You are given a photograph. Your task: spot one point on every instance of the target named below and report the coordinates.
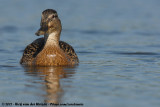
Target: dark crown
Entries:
(49, 11)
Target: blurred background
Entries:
(117, 42)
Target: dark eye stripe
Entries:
(54, 16)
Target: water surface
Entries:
(117, 43)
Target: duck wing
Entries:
(31, 51)
(69, 51)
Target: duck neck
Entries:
(52, 39)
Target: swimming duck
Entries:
(49, 50)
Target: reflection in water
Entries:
(51, 77)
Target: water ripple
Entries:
(135, 53)
(86, 52)
(148, 33)
(9, 28)
(7, 66)
(93, 31)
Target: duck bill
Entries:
(41, 31)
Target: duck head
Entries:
(49, 23)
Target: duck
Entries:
(49, 50)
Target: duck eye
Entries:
(54, 16)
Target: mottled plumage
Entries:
(36, 46)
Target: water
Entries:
(117, 43)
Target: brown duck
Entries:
(49, 51)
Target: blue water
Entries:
(117, 43)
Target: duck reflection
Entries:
(51, 77)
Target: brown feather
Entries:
(65, 54)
